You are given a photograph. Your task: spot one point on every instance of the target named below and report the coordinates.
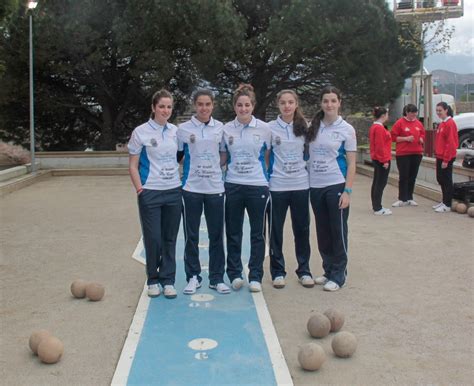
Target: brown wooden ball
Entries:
(35, 338)
(95, 291)
(344, 344)
(470, 211)
(336, 318)
(78, 288)
(461, 208)
(311, 356)
(318, 325)
(454, 204)
(50, 350)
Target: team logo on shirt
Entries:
(278, 141)
(417, 128)
(153, 142)
(231, 140)
(192, 138)
(335, 136)
(256, 138)
(407, 129)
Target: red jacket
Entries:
(380, 143)
(446, 141)
(404, 128)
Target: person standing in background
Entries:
(381, 154)
(447, 143)
(409, 134)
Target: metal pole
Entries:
(32, 112)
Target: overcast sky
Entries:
(460, 56)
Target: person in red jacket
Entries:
(409, 134)
(381, 154)
(445, 151)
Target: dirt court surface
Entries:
(409, 296)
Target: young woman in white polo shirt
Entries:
(200, 139)
(332, 167)
(247, 141)
(289, 187)
(154, 172)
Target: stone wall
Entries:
(361, 126)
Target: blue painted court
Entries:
(202, 339)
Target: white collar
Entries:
(447, 118)
(335, 123)
(252, 123)
(283, 124)
(197, 122)
(156, 125)
(378, 123)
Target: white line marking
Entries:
(280, 368)
(136, 253)
(124, 364)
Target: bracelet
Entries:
(348, 190)
(139, 190)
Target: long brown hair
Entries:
(316, 122)
(300, 126)
(156, 98)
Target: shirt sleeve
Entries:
(395, 131)
(350, 143)
(135, 145)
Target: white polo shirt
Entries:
(327, 154)
(246, 146)
(157, 146)
(287, 169)
(201, 144)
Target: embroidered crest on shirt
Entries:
(278, 141)
(231, 140)
(153, 142)
(192, 138)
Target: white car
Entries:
(465, 124)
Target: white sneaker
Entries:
(255, 286)
(437, 205)
(398, 204)
(383, 212)
(442, 209)
(321, 280)
(306, 281)
(193, 285)
(279, 282)
(170, 291)
(412, 203)
(154, 290)
(237, 283)
(221, 288)
(331, 286)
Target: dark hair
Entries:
(409, 108)
(156, 98)
(445, 106)
(244, 89)
(300, 126)
(379, 111)
(201, 92)
(316, 122)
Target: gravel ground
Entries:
(408, 299)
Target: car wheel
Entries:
(466, 140)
